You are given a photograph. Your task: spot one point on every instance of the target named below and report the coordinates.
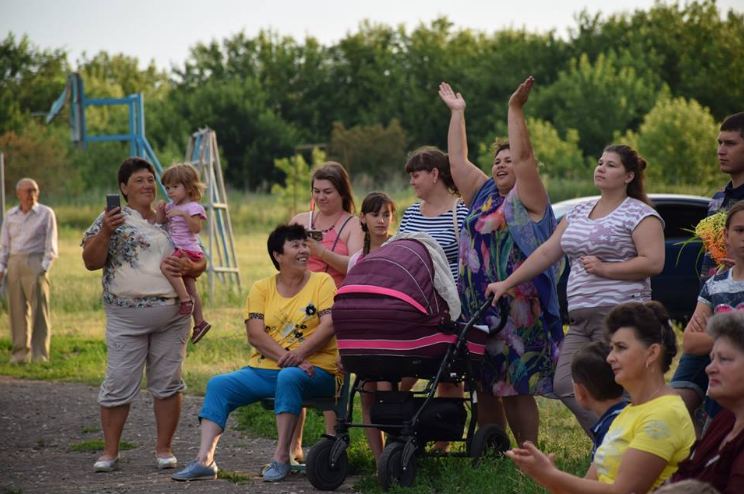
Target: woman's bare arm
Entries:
(468, 177)
(529, 186)
(95, 248)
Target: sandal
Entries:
(199, 331)
(186, 308)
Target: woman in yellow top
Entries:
(288, 321)
(650, 436)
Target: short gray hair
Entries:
(728, 325)
(26, 179)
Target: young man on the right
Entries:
(690, 380)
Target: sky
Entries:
(164, 30)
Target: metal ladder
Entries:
(203, 154)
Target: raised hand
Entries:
(519, 98)
(454, 101)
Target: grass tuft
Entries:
(235, 478)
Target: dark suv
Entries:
(677, 286)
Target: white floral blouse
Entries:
(132, 276)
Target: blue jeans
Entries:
(288, 386)
(690, 374)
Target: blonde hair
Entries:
(187, 175)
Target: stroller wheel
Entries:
(489, 440)
(320, 472)
(391, 470)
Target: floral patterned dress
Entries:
(521, 359)
(132, 277)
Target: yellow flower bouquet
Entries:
(710, 232)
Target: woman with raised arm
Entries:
(614, 245)
(509, 216)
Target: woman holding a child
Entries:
(144, 329)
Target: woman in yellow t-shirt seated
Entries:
(650, 436)
(288, 320)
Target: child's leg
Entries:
(191, 289)
(177, 283)
(374, 436)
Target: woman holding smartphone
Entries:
(334, 233)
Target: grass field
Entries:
(79, 354)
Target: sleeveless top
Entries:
(333, 242)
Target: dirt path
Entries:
(39, 421)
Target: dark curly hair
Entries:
(651, 324)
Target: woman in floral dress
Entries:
(509, 216)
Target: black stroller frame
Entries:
(327, 462)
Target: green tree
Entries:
(39, 152)
(30, 80)
(678, 140)
(296, 189)
(375, 151)
(692, 46)
(597, 99)
(561, 158)
(249, 133)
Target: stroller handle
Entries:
(503, 314)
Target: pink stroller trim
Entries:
(427, 341)
(378, 290)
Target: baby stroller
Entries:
(390, 323)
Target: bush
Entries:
(678, 139)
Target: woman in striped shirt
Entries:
(614, 245)
(439, 213)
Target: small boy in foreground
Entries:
(595, 387)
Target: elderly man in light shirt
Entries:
(28, 245)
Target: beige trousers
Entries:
(28, 301)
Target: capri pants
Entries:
(288, 386)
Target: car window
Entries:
(680, 218)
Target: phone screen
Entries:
(316, 235)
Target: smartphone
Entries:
(316, 235)
(112, 201)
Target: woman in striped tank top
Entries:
(614, 245)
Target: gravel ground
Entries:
(40, 420)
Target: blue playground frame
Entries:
(138, 146)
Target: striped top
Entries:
(440, 228)
(610, 240)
